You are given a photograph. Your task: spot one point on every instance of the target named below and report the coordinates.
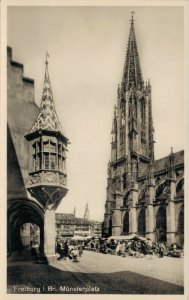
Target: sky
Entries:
(87, 47)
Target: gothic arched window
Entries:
(180, 186)
(135, 107)
(47, 154)
(161, 224)
(142, 222)
(181, 221)
(143, 112)
(126, 200)
(130, 108)
(126, 223)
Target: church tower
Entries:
(132, 145)
(86, 214)
(132, 132)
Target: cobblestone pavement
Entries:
(101, 274)
(114, 274)
(169, 269)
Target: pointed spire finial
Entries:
(47, 118)
(46, 61)
(132, 18)
(86, 214)
(132, 74)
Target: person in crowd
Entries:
(59, 250)
(66, 249)
(174, 247)
(143, 248)
(73, 253)
(117, 251)
(92, 245)
(149, 248)
(80, 247)
(161, 250)
(97, 247)
(122, 249)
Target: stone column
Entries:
(116, 218)
(171, 226)
(150, 222)
(132, 220)
(133, 212)
(116, 222)
(49, 234)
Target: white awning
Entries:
(77, 238)
(122, 237)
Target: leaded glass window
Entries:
(53, 162)
(40, 161)
(46, 161)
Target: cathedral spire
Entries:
(74, 211)
(132, 75)
(47, 118)
(86, 214)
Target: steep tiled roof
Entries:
(81, 221)
(47, 118)
(64, 216)
(159, 164)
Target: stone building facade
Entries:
(144, 196)
(36, 159)
(68, 225)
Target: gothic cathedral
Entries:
(144, 196)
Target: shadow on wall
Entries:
(15, 182)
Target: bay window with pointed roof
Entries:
(47, 152)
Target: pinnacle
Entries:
(132, 71)
(47, 118)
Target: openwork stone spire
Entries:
(132, 75)
(47, 118)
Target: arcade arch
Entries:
(180, 229)
(126, 223)
(161, 224)
(20, 212)
(142, 222)
(180, 186)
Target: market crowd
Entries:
(69, 249)
(135, 247)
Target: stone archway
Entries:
(142, 222)
(30, 233)
(161, 224)
(126, 223)
(180, 185)
(21, 211)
